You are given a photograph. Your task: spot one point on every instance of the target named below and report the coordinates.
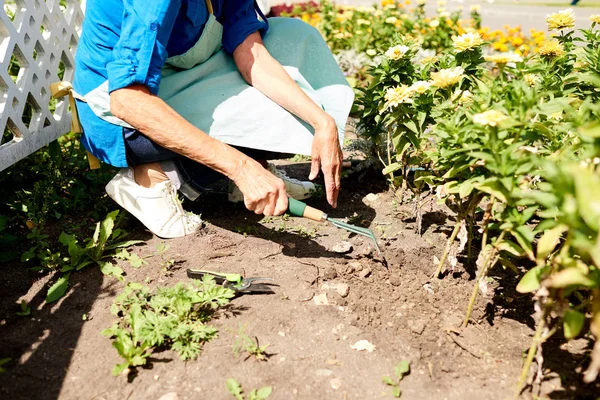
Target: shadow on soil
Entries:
(41, 345)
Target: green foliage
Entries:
(101, 249)
(401, 370)
(173, 318)
(4, 361)
(235, 388)
(245, 343)
(25, 309)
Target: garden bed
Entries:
(402, 311)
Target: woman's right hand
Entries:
(264, 193)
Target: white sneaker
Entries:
(295, 188)
(158, 208)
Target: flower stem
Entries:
(447, 249)
(537, 341)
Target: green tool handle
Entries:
(300, 209)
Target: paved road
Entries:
(496, 15)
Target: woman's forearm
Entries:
(155, 119)
(265, 73)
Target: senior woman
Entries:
(182, 93)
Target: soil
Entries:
(407, 315)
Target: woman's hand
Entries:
(264, 193)
(327, 156)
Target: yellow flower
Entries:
(396, 52)
(420, 87)
(363, 22)
(442, 3)
(475, 7)
(557, 116)
(421, 2)
(434, 23)
(595, 18)
(504, 58)
(429, 60)
(551, 48)
(531, 79)
(398, 95)
(465, 97)
(490, 117)
(468, 41)
(561, 20)
(391, 20)
(371, 52)
(447, 77)
(387, 2)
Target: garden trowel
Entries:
(300, 209)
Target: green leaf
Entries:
(234, 388)
(396, 392)
(388, 380)
(264, 392)
(587, 186)
(465, 189)
(548, 241)
(124, 244)
(110, 269)
(119, 368)
(402, 369)
(58, 290)
(570, 277)
(591, 130)
(510, 247)
(573, 322)
(4, 361)
(493, 187)
(530, 282)
(393, 167)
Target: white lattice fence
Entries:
(38, 40)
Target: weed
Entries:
(25, 309)
(249, 345)
(166, 263)
(236, 391)
(402, 369)
(173, 318)
(99, 250)
(4, 361)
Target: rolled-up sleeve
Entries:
(141, 52)
(240, 19)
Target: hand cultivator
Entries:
(300, 209)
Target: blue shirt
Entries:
(128, 42)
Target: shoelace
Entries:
(191, 220)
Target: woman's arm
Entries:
(265, 73)
(264, 193)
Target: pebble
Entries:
(321, 299)
(336, 383)
(362, 345)
(371, 197)
(330, 273)
(340, 288)
(324, 372)
(396, 280)
(342, 247)
(170, 396)
(365, 272)
(417, 326)
(353, 266)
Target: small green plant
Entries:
(100, 250)
(245, 343)
(237, 391)
(173, 318)
(4, 361)
(402, 369)
(165, 262)
(25, 309)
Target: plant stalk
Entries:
(537, 341)
(482, 275)
(448, 246)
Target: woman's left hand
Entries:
(327, 156)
